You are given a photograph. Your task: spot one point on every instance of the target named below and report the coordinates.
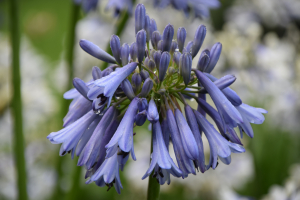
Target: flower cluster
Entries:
(199, 8)
(148, 84)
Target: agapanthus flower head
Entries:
(147, 83)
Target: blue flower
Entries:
(219, 146)
(228, 112)
(161, 162)
(105, 87)
(108, 174)
(124, 134)
(70, 135)
(92, 150)
(250, 115)
(102, 135)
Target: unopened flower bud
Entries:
(141, 43)
(140, 15)
(115, 46)
(147, 87)
(176, 57)
(203, 60)
(143, 104)
(167, 37)
(96, 51)
(153, 27)
(181, 35)
(141, 118)
(127, 89)
(96, 73)
(151, 65)
(136, 80)
(147, 27)
(198, 39)
(133, 51)
(185, 66)
(152, 114)
(144, 74)
(159, 45)
(215, 53)
(173, 47)
(155, 38)
(164, 64)
(124, 54)
(81, 87)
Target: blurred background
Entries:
(261, 46)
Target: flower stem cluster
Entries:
(149, 84)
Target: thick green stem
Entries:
(74, 16)
(17, 114)
(153, 185)
(75, 12)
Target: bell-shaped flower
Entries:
(192, 122)
(228, 112)
(184, 163)
(229, 93)
(90, 153)
(87, 135)
(160, 159)
(187, 137)
(79, 107)
(227, 131)
(222, 83)
(152, 113)
(96, 51)
(107, 85)
(108, 174)
(181, 35)
(124, 134)
(109, 132)
(250, 115)
(70, 135)
(219, 146)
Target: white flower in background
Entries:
(290, 190)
